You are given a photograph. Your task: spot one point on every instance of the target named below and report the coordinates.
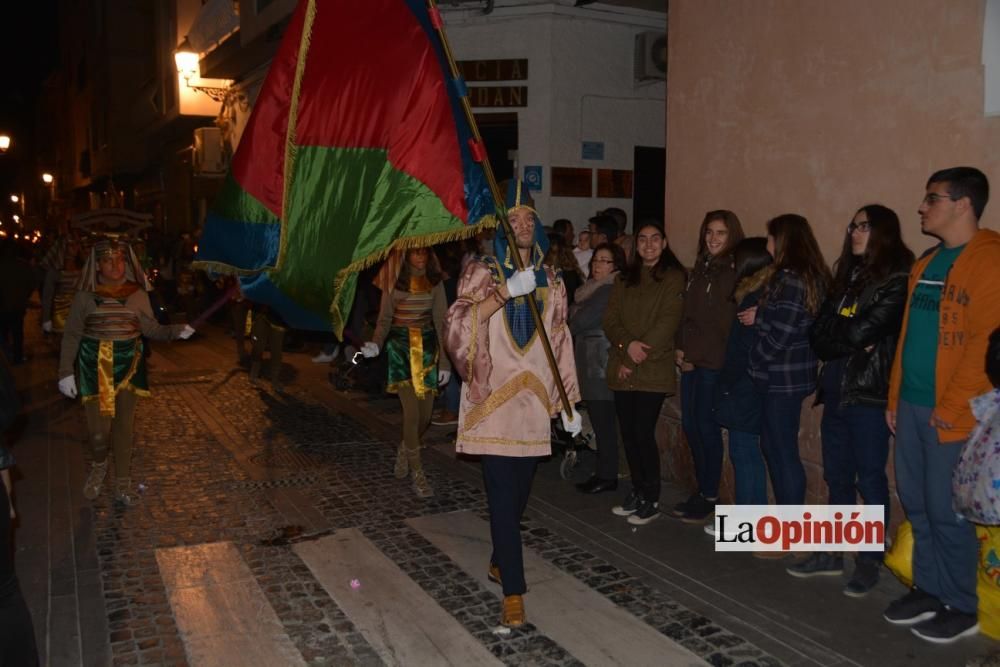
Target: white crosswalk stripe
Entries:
(223, 616)
(578, 618)
(402, 623)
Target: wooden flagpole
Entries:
(498, 198)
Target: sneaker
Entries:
(913, 607)
(947, 626)
(680, 509)
(699, 510)
(819, 564)
(628, 506)
(95, 480)
(645, 513)
(444, 418)
(710, 529)
(324, 358)
(863, 580)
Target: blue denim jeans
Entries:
(855, 453)
(703, 433)
(749, 471)
(945, 548)
(779, 440)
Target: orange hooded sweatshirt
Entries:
(969, 312)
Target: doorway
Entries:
(499, 132)
(649, 183)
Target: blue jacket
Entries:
(737, 402)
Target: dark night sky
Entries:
(29, 51)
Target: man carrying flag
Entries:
(510, 392)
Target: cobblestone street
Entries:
(266, 485)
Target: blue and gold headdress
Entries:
(106, 247)
(516, 311)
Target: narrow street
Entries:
(271, 531)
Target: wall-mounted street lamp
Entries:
(47, 178)
(15, 198)
(17, 218)
(4, 143)
(188, 66)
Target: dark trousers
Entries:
(12, 335)
(453, 393)
(238, 311)
(270, 336)
(855, 453)
(17, 636)
(945, 548)
(637, 415)
(702, 431)
(508, 484)
(749, 472)
(779, 440)
(602, 418)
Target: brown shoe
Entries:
(493, 574)
(513, 612)
(444, 418)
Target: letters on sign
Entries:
(498, 96)
(494, 70)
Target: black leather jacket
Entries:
(876, 322)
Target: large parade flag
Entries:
(357, 144)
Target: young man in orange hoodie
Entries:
(952, 307)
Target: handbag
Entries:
(976, 477)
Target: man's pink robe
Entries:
(509, 394)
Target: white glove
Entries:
(47, 326)
(521, 283)
(443, 377)
(572, 424)
(68, 386)
(369, 350)
(186, 332)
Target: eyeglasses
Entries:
(863, 227)
(602, 261)
(933, 197)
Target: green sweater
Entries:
(649, 312)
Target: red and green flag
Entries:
(357, 144)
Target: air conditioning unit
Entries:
(209, 156)
(651, 56)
